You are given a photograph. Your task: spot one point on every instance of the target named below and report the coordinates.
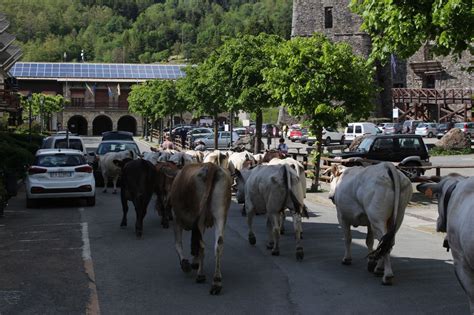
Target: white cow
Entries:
(198, 156)
(375, 196)
(456, 217)
(237, 160)
(109, 169)
(217, 157)
(181, 159)
(271, 189)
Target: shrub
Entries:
(438, 151)
(14, 158)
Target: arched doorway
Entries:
(101, 124)
(127, 123)
(77, 124)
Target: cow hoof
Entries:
(165, 225)
(200, 279)
(387, 280)
(195, 266)
(139, 235)
(379, 272)
(123, 225)
(252, 239)
(275, 252)
(185, 265)
(270, 245)
(215, 289)
(114, 192)
(104, 191)
(347, 261)
(371, 265)
(299, 254)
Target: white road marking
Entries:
(93, 305)
(57, 224)
(41, 240)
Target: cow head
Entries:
(121, 163)
(442, 191)
(336, 171)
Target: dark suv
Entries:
(408, 150)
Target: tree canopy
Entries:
(138, 31)
(402, 27)
(323, 82)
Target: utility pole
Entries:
(30, 97)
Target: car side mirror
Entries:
(91, 154)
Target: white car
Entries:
(59, 173)
(330, 135)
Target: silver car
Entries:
(223, 140)
(427, 130)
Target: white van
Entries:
(60, 141)
(357, 129)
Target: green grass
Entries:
(435, 151)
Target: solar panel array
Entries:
(96, 71)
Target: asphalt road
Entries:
(63, 258)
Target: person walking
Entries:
(284, 131)
(167, 144)
(269, 139)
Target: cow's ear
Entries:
(428, 189)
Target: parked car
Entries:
(117, 135)
(177, 130)
(407, 150)
(197, 133)
(427, 130)
(223, 140)
(466, 127)
(409, 126)
(443, 129)
(63, 141)
(298, 134)
(390, 128)
(241, 131)
(330, 135)
(59, 173)
(354, 130)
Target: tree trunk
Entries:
(216, 129)
(319, 149)
(258, 132)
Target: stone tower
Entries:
(334, 19)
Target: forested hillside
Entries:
(138, 30)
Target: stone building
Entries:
(9, 54)
(403, 83)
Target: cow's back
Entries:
(138, 177)
(189, 188)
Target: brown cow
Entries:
(166, 172)
(200, 198)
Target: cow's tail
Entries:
(208, 172)
(299, 208)
(388, 240)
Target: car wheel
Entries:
(412, 173)
(327, 141)
(90, 201)
(30, 203)
(430, 135)
(292, 140)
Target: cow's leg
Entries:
(275, 218)
(178, 243)
(347, 260)
(465, 276)
(106, 181)
(218, 249)
(388, 273)
(298, 230)
(140, 208)
(124, 200)
(199, 259)
(270, 242)
(244, 211)
(369, 241)
(114, 181)
(282, 221)
(250, 215)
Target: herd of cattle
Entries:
(194, 189)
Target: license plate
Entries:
(61, 174)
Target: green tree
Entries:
(237, 73)
(322, 81)
(42, 106)
(402, 27)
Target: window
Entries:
(328, 17)
(429, 82)
(358, 129)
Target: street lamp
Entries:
(29, 98)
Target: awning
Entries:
(426, 67)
